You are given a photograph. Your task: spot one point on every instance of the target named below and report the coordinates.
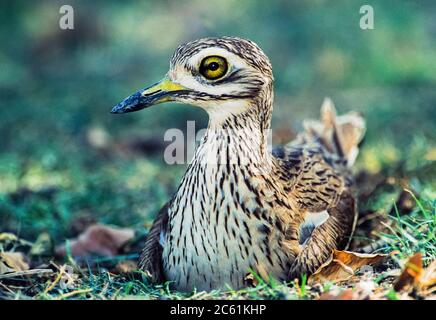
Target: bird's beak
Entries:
(163, 91)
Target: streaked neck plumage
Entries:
(242, 124)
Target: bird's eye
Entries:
(213, 67)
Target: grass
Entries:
(415, 232)
(404, 233)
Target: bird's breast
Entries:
(218, 232)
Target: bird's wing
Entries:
(325, 197)
(334, 233)
(309, 177)
(316, 166)
(151, 256)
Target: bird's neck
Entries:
(238, 140)
(242, 126)
(233, 149)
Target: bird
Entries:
(242, 207)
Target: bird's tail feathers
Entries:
(340, 135)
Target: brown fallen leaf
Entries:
(411, 274)
(428, 277)
(127, 266)
(415, 276)
(342, 265)
(250, 280)
(10, 238)
(12, 261)
(347, 294)
(99, 240)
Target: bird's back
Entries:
(316, 170)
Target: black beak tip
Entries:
(130, 104)
(116, 110)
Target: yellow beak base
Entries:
(162, 91)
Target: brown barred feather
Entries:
(335, 233)
(150, 259)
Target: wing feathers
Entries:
(151, 256)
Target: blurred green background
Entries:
(65, 160)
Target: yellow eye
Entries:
(213, 67)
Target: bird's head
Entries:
(222, 75)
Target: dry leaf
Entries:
(415, 276)
(365, 289)
(127, 266)
(12, 261)
(68, 277)
(26, 273)
(341, 295)
(5, 236)
(428, 277)
(411, 273)
(98, 240)
(343, 264)
(250, 280)
(41, 244)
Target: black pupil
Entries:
(213, 66)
